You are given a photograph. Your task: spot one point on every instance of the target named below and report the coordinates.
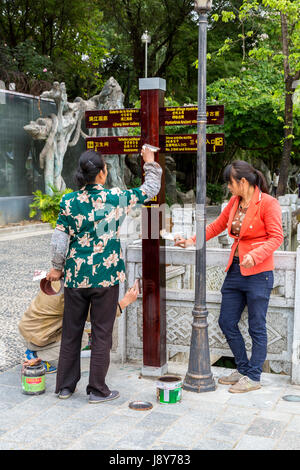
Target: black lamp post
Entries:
(199, 377)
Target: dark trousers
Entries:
(237, 292)
(103, 301)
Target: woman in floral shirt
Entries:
(86, 246)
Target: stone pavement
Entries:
(215, 420)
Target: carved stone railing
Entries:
(283, 319)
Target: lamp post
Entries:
(146, 39)
(199, 377)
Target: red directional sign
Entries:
(187, 115)
(168, 143)
(113, 118)
(188, 143)
(172, 116)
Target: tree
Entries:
(274, 38)
(54, 39)
(172, 25)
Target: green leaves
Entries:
(46, 205)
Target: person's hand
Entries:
(54, 275)
(148, 155)
(248, 261)
(182, 242)
(130, 297)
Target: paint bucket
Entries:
(169, 389)
(33, 379)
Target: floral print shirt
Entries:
(92, 218)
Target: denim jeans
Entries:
(254, 292)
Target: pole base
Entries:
(199, 385)
(149, 371)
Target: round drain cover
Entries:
(291, 397)
(140, 405)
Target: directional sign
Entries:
(168, 143)
(113, 118)
(114, 145)
(188, 143)
(187, 115)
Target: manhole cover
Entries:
(291, 398)
(140, 405)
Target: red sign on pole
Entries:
(113, 118)
(168, 143)
(187, 115)
(188, 143)
(114, 145)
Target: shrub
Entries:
(47, 205)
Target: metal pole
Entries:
(199, 377)
(146, 59)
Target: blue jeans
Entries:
(237, 292)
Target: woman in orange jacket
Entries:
(253, 220)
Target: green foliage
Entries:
(214, 192)
(136, 182)
(47, 205)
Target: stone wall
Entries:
(283, 322)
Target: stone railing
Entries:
(283, 320)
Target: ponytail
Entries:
(261, 181)
(240, 169)
(89, 165)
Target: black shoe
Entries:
(65, 393)
(96, 399)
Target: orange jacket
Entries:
(260, 235)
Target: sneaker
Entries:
(29, 355)
(244, 385)
(49, 369)
(65, 393)
(231, 379)
(96, 399)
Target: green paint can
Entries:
(169, 389)
(33, 379)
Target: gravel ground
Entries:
(18, 260)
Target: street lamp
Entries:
(146, 39)
(199, 377)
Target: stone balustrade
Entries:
(283, 320)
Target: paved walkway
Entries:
(214, 420)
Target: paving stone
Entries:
(266, 428)
(71, 430)
(157, 421)
(211, 444)
(93, 441)
(6, 445)
(294, 424)
(237, 415)
(26, 433)
(289, 441)
(49, 442)
(226, 432)
(137, 439)
(255, 443)
(117, 424)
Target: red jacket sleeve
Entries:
(273, 224)
(220, 224)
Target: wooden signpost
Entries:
(153, 117)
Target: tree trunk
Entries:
(288, 112)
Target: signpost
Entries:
(153, 117)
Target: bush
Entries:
(47, 205)
(214, 192)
